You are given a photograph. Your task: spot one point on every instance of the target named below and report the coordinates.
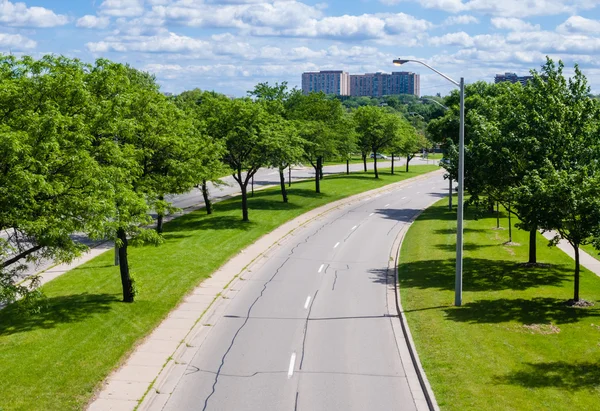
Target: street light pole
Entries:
(461, 173)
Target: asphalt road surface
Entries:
(310, 329)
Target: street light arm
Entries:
(399, 62)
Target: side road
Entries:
(158, 363)
(193, 201)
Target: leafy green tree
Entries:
(242, 127)
(563, 188)
(50, 185)
(204, 151)
(376, 129)
(319, 122)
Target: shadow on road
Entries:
(56, 311)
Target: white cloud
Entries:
(505, 8)
(513, 24)
(18, 14)
(163, 43)
(93, 22)
(462, 19)
(122, 8)
(16, 41)
(578, 24)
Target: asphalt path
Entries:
(310, 329)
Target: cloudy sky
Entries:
(230, 45)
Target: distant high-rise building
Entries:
(330, 82)
(512, 77)
(371, 84)
(384, 84)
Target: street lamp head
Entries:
(399, 62)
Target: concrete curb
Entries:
(149, 375)
(417, 379)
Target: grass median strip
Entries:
(55, 359)
(514, 344)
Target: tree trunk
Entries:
(317, 179)
(320, 160)
(509, 225)
(282, 181)
(124, 267)
(159, 223)
(375, 165)
(497, 214)
(244, 188)
(533, 246)
(159, 218)
(408, 158)
(364, 157)
(449, 192)
(576, 282)
(347, 166)
(290, 176)
(207, 201)
(392, 164)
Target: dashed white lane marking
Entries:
(387, 205)
(371, 214)
(321, 267)
(336, 245)
(307, 302)
(292, 363)
(354, 228)
(404, 198)
(418, 192)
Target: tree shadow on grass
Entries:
(453, 230)
(194, 221)
(55, 311)
(480, 275)
(466, 246)
(535, 311)
(572, 376)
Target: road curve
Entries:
(310, 328)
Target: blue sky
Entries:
(230, 45)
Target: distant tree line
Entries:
(95, 148)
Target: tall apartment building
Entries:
(512, 77)
(356, 85)
(384, 84)
(330, 82)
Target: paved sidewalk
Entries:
(585, 259)
(153, 369)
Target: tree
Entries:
(319, 122)
(122, 134)
(205, 151)
(50, 185)
(563, 122)
(242, 126)
(376, 129)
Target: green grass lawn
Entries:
(337, 161)
(433, 156)
(588, 248)
(514, 344)
(56, 359)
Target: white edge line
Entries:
(292, 363)
(336, 245)
(307, 302)
(321, 267)
(354, 228)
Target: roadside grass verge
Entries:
(55, 360)
(514, 344)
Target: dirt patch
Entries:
(580, 303)
(498, 228)
(511, 244)
(510, 251)
(542, 329)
